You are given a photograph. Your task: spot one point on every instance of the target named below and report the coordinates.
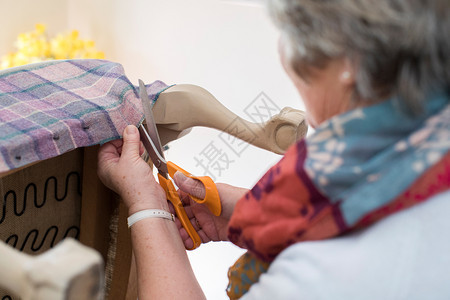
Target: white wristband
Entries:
(149, 213)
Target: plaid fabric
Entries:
(50, 108)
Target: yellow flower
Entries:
(35, 46)
(40, 28)
(89, 44)
(74, 34)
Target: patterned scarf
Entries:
(53, 107)
(356, 168)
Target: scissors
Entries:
(152, 143)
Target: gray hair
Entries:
(400, 48)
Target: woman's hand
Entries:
(163, 267)
(121, 168)
(208, 226)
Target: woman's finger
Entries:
(189, 212)
(187, 241)
(132, 143)
(188, 185)
(195, 224)
(107, 151)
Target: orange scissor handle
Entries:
(211, 199)
(172, 196)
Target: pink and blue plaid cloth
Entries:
(50, 108)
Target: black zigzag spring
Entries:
(32, 186)
(12, 240)
(52, 232)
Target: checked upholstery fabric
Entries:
(49, 108)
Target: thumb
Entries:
(131, 142)
(188, 185)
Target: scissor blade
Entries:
(159, 162)
(150, 136)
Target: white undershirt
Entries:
(404, 256)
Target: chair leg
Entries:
(67, 271)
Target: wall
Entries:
(21, 16)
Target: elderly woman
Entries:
(374, 77)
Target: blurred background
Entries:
(228, 47)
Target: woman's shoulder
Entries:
(404, 256)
